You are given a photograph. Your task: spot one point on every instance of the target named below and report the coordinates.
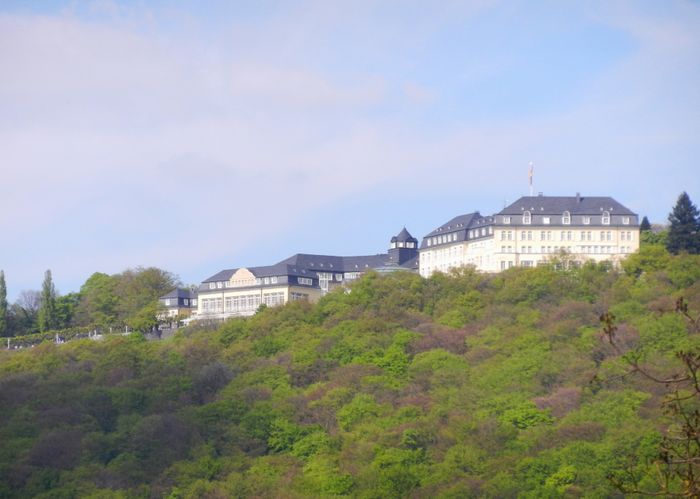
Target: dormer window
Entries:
(566, 218)
(586, 220)
(527, 218)
(625, 220)
(506, 220)
(606, 218)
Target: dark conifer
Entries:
(645, 225)
(3, 304)
(684, 231)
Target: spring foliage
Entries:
(460, 385)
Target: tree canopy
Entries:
(459, 385)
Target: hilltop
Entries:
(458, 385)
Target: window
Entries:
(212, 285)
(625, 220)
(305, 281)
(506, 220)
(566, 218)
(339, 277)
(586, 220)
(187, 302)
(273, 299)
(527, 218)
(167, 302)
(266, 280)
(219, 285)
(545, 220)
(606, 218)
(273, 280)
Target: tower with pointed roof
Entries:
(402, 248)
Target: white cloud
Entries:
(122, 140)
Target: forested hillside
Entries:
(458, 385)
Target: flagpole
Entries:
(530, 175)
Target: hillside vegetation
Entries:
(454, 386)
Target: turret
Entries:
(402, 247)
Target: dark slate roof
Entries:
(556, 205)
(404, 237)
(327, 263)
(224, 275)
(180, 293)
(308, 265)
(457, 223)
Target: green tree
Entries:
(98, 301)
(645, 225)
(684, 232)
(47, 309)
(138, 288)
(3, 304)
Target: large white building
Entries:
(531, 231)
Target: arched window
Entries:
(527, 218)
(606, 218)
(566, 218)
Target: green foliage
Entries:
(48, 319)
(460, 385)
(525, 415)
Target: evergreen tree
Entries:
(645, 225)
(684, 232)
(3, 305)
(47, 310)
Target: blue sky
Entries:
(197, 136)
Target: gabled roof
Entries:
(461, 222)
(224, 275)
(556, 205)
(180, 293)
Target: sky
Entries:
(199, 136)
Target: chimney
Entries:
(578, 197)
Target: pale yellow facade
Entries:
(532, 231)
(243, 293)
(531, 246)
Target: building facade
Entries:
(180, 302)
(531, 231)
(241, 291)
